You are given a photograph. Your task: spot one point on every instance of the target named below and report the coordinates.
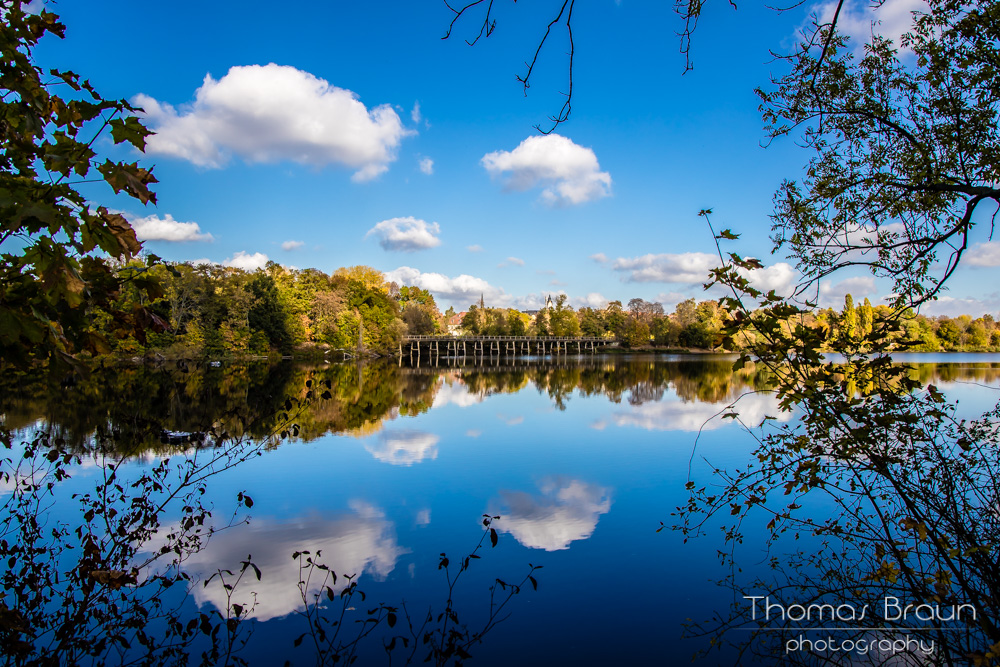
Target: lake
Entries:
(382, 470)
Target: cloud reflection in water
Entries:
(566, 510)
(403, 448)
(362, 542)
(691, 416)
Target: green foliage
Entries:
(540, 325)
(419, 311)
(949, 333)
(266, 314)
(906, 148)
(696, 335)
(418, 320)
(849, 326)
(591, 322)
(562, 319)
(614, 318)
(517, 323)
(53, 270)
(905, 152)
(635, 334)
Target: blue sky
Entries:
(335, 134)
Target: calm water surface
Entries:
(582, 460)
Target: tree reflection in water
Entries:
(139, 403)
(109, 572)
(879, 509)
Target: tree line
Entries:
(212, 310)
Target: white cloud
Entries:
(693, 268)
(474, 248)
(568, 172)
(599, 257)
(894, 17)
(403, 448)
(688, 267)
(592, 300)
(832, 296)
(357, 543)
(567, 510)
(953, 307)
(292, 245)
(456, 393)
(247, 262)
(780, 277)
(670, 299)
(407, 234)
(415, 113)
(675, 414)
(270, 113)
(459, 291)
(511, 261)
(983, 254)
(155, 228)
(427, 165)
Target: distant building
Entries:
(548, 306)
(454, 322)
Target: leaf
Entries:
(131, 130)
(493, 536)
(122, 232)
(131, 178)
(391, 619)
(534, 582)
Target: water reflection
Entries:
(564, 511)
(403, 448)
(143, 405)
(360, 542)
(522, 441)
(452, 390)
(691, 416)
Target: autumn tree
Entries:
(904, 162)
(562, 319)
(419, 310)
(849, 319)
(55, 242)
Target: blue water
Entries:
(581, 480)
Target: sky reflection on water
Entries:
(581, 464)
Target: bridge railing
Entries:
(529, 339)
